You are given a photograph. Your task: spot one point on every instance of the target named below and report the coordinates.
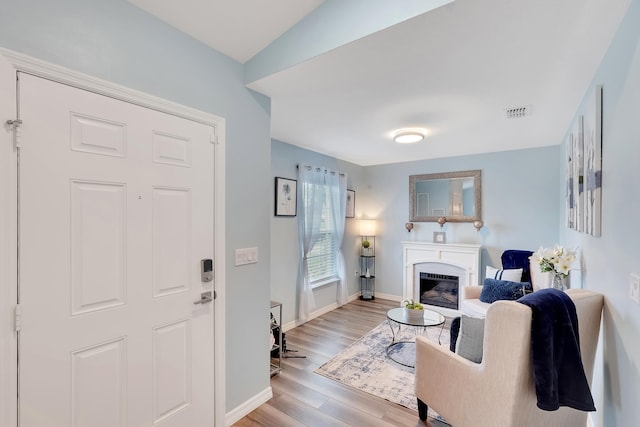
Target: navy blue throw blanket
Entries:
(555, 346)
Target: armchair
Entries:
(500, 390)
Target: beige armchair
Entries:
(500, 391)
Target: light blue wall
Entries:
(520, 201)
(284, 230)
(117, 42)
(608, 260)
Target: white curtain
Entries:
(309, 214)
(338, 187)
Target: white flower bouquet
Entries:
(557, 260)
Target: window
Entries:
(321, 260)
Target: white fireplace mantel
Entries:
(464, 256)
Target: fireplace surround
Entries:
(456, 262)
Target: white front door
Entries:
(116, 211)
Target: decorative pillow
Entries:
(494, 290)
(512, 275)
(470, 337)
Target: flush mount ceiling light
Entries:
(408, 136)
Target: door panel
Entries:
(98, 136)
(171, 369)
(171, 240)
(103, 364)
(171, 149)
(116, 206)
(98, 233)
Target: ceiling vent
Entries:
(517, 112)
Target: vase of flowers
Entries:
(557, 261)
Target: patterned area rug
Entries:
(365, 365)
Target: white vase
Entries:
(367, 274)
(414, 314)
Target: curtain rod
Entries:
(318, 167)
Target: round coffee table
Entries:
(398, 317)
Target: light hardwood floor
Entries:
(303, 398)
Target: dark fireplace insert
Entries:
(439, 290)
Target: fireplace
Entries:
(440, 290)
(451, 266)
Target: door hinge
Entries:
(18, 318)
(214, 139)
(15, 124)
(215, 295)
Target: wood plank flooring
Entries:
(302, 398)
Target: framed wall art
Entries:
(439, 237)
(286, 190)
(351, 204)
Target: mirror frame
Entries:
(477, 195)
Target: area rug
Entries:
(365, 365)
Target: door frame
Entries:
(8, 219)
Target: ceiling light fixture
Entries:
(408, 136)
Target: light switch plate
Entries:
(246, 256)
(634, 287)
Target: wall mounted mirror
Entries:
(457, 196)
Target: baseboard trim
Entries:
(389, 297)
(247, 407)
(317, 313)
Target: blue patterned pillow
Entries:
(494, 290)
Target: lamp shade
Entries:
(367, 227)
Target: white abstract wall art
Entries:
(593, 162)
(578, 173)
(583, 172)
(569, 195)
(574, 176)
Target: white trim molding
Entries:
(247, 407)
(57, 73)
(389, 297)
(36, 67)
(319, 312)
(8, 252)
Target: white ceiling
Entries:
(452, 71)
(237, 28)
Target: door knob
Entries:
(205, 297)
